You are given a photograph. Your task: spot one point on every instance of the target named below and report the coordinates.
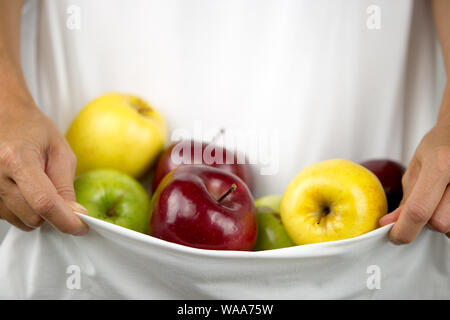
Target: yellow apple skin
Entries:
(332, 200)
(117, 131)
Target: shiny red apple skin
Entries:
(390, 174)
(186, 210)
(166, 163)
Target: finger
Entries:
(390, 218)
(61, 170)
(440, 221)
(43, 199)
(14, 201)
(7, 215)
(409, 179)
(419, 206)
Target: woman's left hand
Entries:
(426, 190)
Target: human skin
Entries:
(37, 165)
(426, 190)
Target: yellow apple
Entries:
(117, 131)
(332, 200)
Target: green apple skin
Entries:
(114, 197)
(272, 201)
(271, 233)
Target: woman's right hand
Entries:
(37, 168)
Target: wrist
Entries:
(14, 92)
(443, 119)
(16, 100)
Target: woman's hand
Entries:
(36, 163)
(37, 168)
(426, 190)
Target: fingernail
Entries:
(84, 230)
(393, 241)
(77, 207)
(384, 220)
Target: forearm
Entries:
(12, 82)
(426, 191)
(441, 13)
(444, 112)
(36, 164)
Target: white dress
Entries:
(292, 82)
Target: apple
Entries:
(204, 207)
(332, 200)
(271, 233)
(200, 153)
(117, 131)
(114, 197)
(390, 174)
(271, 202)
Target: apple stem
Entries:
(320, 218)
(232, 189)
(325, 212)
(218, 134)
(111, 212)
(141, 107)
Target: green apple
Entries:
(114, 197)
(271, 233)
(272, 201)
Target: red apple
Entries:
(204, 207)
(200, 153)
(390, 174)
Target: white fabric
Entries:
(119, 263)
(4, 226)
(309, 72)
